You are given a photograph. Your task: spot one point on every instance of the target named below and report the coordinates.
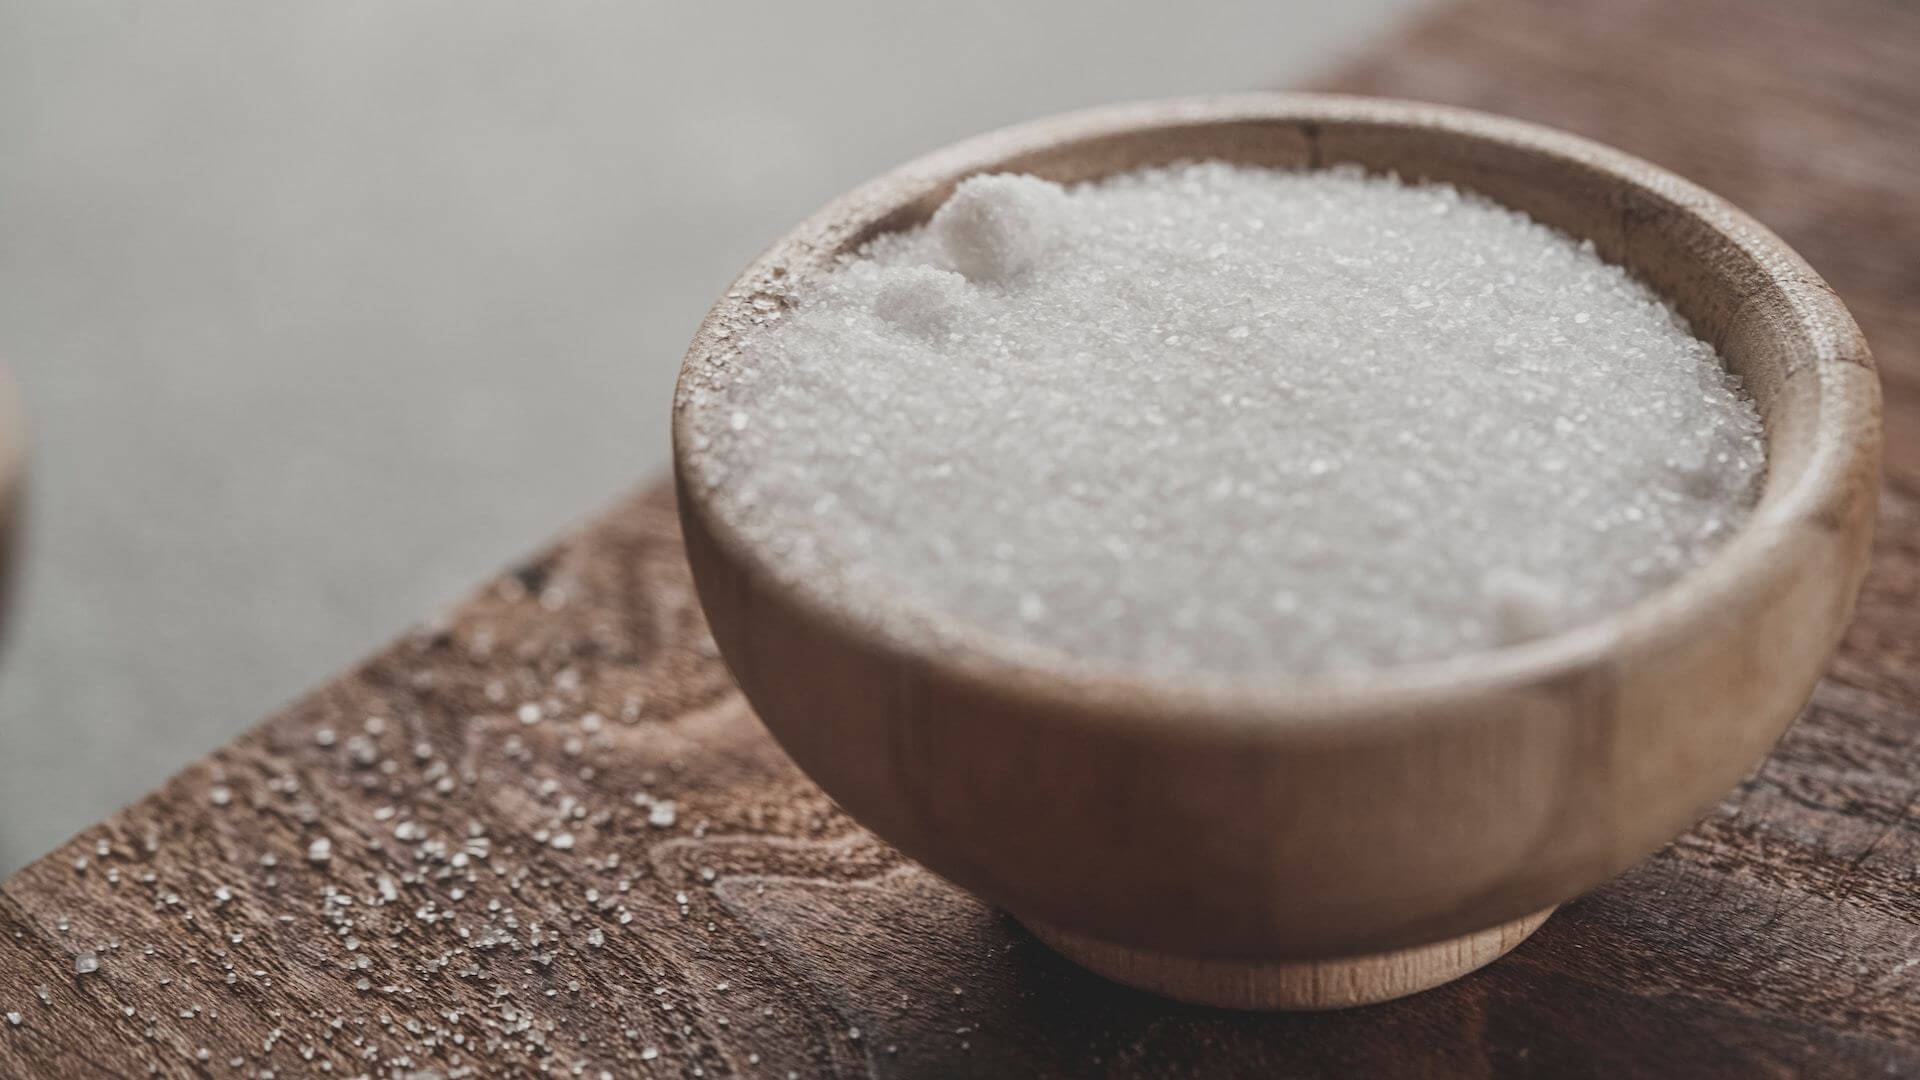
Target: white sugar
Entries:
(1230, 420)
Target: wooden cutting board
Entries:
(544, 835)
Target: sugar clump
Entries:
(995, 227)
(1227, 420)
(921, 300)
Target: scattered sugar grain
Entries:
(1229, 420)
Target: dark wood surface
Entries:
(505, 898)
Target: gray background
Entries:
(326, 309)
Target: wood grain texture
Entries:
(1780, 937)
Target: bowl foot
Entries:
(1300, 985)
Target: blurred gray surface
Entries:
(325, 310)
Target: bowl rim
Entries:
(1251, 705)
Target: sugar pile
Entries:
(1227, 420)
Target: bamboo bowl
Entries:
(1316, 843)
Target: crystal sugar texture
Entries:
(1226, 420)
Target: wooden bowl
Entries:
(1311, 843)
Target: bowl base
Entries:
(1294, 985)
